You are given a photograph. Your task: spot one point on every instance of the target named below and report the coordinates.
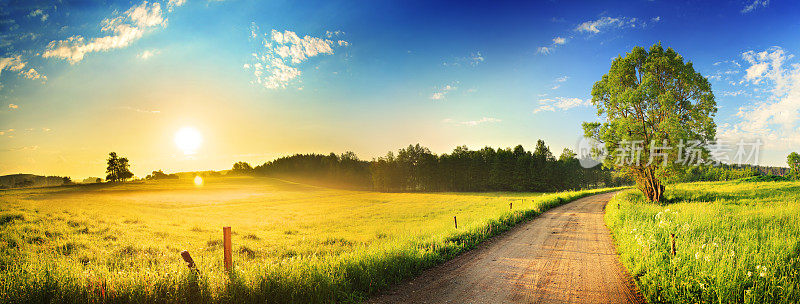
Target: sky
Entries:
(256, 80)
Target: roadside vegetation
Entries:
(736, 241)
(121, 242)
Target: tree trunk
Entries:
(650, 186)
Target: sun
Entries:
(188, 139)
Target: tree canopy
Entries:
(241, 168)
(794, 164)
(651, 103)
(118, 169)
(416, 168)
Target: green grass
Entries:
(292, 242)
(737, 242)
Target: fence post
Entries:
(510, 205)
(188, 259)
(226, 241)
(672, 237)
(455, 221)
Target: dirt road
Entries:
(566, 255)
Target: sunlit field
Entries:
(292, 242)
(736, 242)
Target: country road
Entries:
(566, 255)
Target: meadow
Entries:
(120, 243)
(736, 242)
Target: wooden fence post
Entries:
(510, 205)
(672, 237)
(226, 241)
(188, 259)
(455, 221)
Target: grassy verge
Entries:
(121, 245)
(737, 242)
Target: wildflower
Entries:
(697, 256)
(703, 247)
(749, 274)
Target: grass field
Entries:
(737, 242)
(292, 242)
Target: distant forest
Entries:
(415, 168)
(30, 180)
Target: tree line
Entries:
(416, 168)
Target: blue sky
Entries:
(261, 79)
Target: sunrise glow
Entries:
(188, 140)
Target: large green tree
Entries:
(794, 164)
(651, 98)
(118, 169)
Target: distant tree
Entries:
(161, 175)
(66, 180)
(23, 183)
(567, 155)
(794, 164)
(416, 168)
(98, 180)
(242, 168)
(651, 97)
(118, 169)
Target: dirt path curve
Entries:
(566, 255)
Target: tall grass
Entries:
(293, 243)
(737, 242)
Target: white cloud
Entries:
(555, 87)
(331, 34)
(471, 123)
(171, 4)
(557, 41)
(274, 64)
(562, 79)
(442, 92)
(125, 29)
(16, 64)
(13, 106)
(146, 54)
(41, 14)
(473, 60)
(561, 103)
(141, 110)
(596, 26)
(25, 148)
(775, 117)
(32, 74)
(544, 50)
(755, 5)
(734, 93)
